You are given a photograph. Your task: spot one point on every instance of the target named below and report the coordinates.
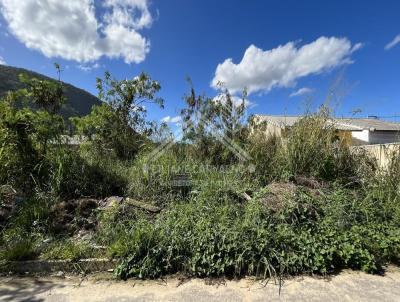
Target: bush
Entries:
(210, 238)
(19, 249)
(311, 147)
(119, 124)
(264, 151)
(20, 239)
(73, 175)
(383, 188)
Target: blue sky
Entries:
(342, 46)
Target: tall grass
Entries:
(383, 187)
(312, 147)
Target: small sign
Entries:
(181, 180)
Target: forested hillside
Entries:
(79, 102)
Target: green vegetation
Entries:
(119, 124)
(302, 204)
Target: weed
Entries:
(70, 250)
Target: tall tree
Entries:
(120, 123)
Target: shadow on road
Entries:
(19, 289)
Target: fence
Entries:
(382, 152)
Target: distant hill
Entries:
(79, 102)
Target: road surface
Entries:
(346, 286)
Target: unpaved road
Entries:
(347, 286)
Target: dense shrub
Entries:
(21, 237)
(119, 124)
(209, 238)
(313, 148)
(73, 175)
(383, 188)
(265, 155)
(26, 135)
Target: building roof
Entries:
(370, 124)
(349, 124)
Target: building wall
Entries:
(383, 137)
(268, 128)
(271, 130)
(367, 137)
(360, 137)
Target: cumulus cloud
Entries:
(260, 71)
(74, 30)
(393, 43)
(302, 91)
(169, 119)
(2, 62)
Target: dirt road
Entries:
(347, 286)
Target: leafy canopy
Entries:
(120, 123)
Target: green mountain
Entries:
(79, 102)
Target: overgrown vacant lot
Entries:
(304, 204)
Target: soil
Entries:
(346, 286)
(278, 194)
(80, 215)
(73, 215)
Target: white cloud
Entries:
(88, 67)
(302, 91)
(174, 120)
(71, 30)
(128, 13)
(393, 43)
(260, 71)
(2, 62)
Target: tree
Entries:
(46, 95)
(197, 116)
(229, 115)
(206, 120)
(24, 136)
(25, 133)
(120, 123)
